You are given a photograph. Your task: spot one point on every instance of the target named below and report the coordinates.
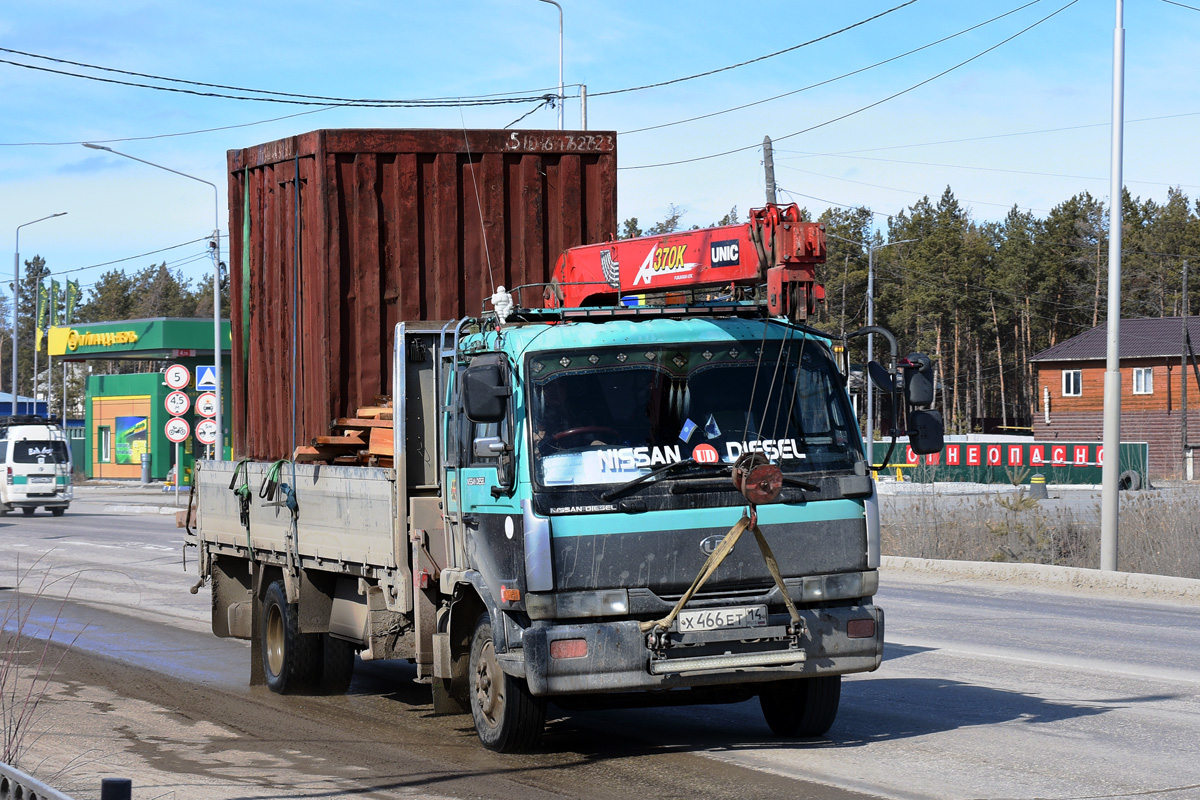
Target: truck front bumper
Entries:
(618, 655)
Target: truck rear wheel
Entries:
(802, 707)
(28, 510)
(291, 660)
(507, 717)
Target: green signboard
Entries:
(1013, 462)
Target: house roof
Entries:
(1146, 337)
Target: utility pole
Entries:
(769, 164)
(1185, 346)
(1110, 501)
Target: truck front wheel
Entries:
(507, 717)
(291, 660)
(802, 707)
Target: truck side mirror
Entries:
(918, 379)
(485, 389)
(925, 432)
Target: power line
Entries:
(803, 154)
(1002, 169)
(863, 108)
(171, 135)
(905, 191)
(140, 255)
(790, 193)
(755, 60)
(455, 103)
(300, 96)
(1181, 5)
(832, 80)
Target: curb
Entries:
(1043, 576)
(142, 509)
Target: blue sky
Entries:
(1024, 124)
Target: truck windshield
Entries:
(35, 452)
(606, 415)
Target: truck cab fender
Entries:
(469, 597)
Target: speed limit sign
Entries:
(206, 431)
(177, 403)
(177, 429)
(177, 376)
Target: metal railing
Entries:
(16, 785)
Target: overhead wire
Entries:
(139, 255)
(905, 191)
(297, 98)
(253, 91)
(831, 80)
(861, 109)
(1003, 170)
(171, 135)
(719, 70)
(285, 100)
(804, 154)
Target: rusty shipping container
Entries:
(337, 235)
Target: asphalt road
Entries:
(989, 690)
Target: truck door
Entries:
(490, 512)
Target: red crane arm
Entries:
(774, 247)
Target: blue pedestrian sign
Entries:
(206, 377)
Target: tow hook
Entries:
(656, 639)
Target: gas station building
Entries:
(126, 415)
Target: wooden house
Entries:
(1155, 365)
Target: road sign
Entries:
(177, 429)
(206, 405)
(206, 431)
(178, 376)
(206, 377)
(177, 403)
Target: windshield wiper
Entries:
(640, 479)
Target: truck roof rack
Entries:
(608, 313)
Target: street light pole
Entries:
(17, 294)
(215, 249)
(560, 61)
(1110, 503)
(869, 437)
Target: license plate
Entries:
(715, 619)
(41, 479)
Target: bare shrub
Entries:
(1158, 532)
(26, 669)
(1008, 527)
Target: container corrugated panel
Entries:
(384, 226)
